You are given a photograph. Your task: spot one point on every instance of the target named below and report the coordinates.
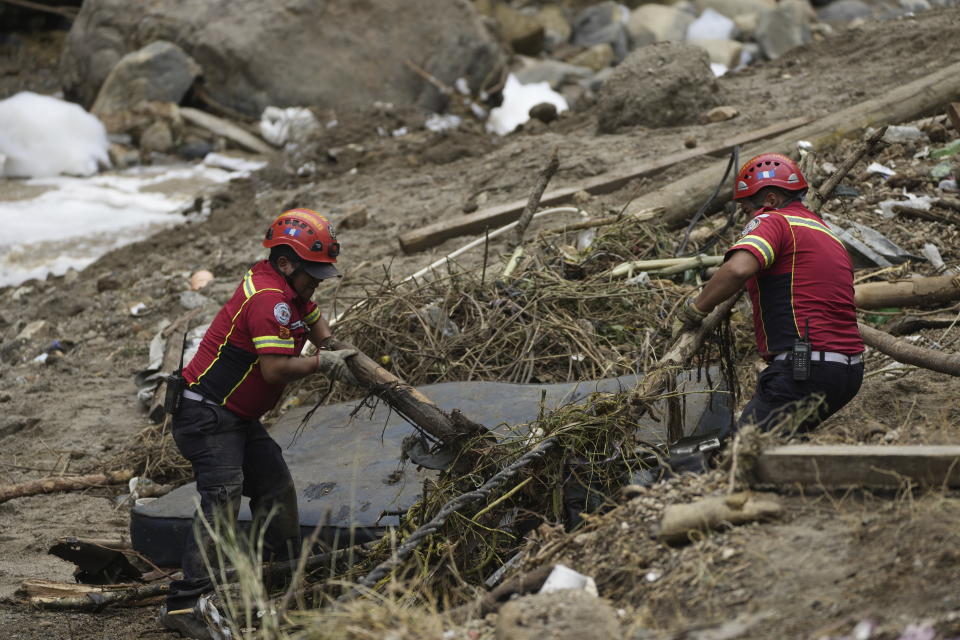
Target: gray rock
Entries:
(666, 23)
(192, 299)
(194, 148)
(916, 6)
(255, 54)
(843, 11)
(558, 615)
(662, 85)
(553, 71)
(159, 72)
(596, 58)
(603, 23)
(12, 424)
(782, 29)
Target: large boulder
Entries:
(290, 52)
(660, 85)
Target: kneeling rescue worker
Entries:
(247, 356)
(800, 280)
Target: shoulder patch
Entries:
(753, 224)
(281, 311)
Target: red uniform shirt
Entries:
(805, 277)
(264, 316)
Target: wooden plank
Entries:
(866, 466)
(499, 215)
(930, 291)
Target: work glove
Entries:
(333, 364)
(689, 316)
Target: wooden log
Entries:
(911, 324)
(922, 214)
(903, 351)
(818, 196)
(499, 215)
(681, 521)
(948, 203)
(226, 129)
(52, 596)
(680, 199)
(452, 428)
(859, 465)
(70, 13)
(63, 483)
(913, 292)
(534, 202)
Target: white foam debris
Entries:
(42, 136)
(517, 101)
(437, 122)
(74, 220)
(718, 69)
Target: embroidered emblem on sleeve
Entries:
(283, 332)
(281, 311)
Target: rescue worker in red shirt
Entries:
(249, 353)
(800, 280)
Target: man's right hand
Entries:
(333, 364)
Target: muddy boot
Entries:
(186, 621)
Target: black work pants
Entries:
(778, 395)
(231, 457)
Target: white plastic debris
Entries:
(139, 309)
(642, 278)
(41, 136)
(876, 167)
(912, 201)
(437, 122)
(896, 133)
(564, 578)
(653, 575)
(280, 126)
(461, 85)
(517, 101)
(718, 69)
(711, 25)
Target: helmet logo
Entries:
(293, 232)
(331, 231)
(741, 186)
(793, 178)
(761, 175)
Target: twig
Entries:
(542, 181)
(817, 197)
(67, 12)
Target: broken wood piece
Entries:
(859, 465)
(58, 596)
(70, 13)
(912, 292)
(906, 353)
(453, 428)
(948, 203)
(911, 324)
(534, 202)
(682, 198)
(498, 215)
(924, 214)
(63, 483)
(226, 129)
(681, 521)
(817, 197)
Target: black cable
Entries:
(731, 163)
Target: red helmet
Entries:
(311, 236)
(768, 170)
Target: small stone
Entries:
(719, 114)
(524, 33)
(545, 112)
(355, 218)
(556, 29)
(650, 23)
(200, 279)
(690, 142)
(597, 57)
(581, 197)
(192, 300)
(107, 283)
(157, 138)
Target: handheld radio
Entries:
(801, 356)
